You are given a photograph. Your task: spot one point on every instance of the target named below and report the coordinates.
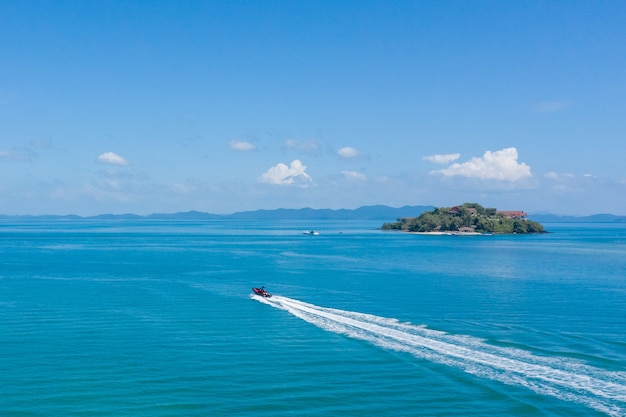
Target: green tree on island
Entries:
(469, 217)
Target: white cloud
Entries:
(552, 106)
(281, 174)
(183, 188)
(348, 152)
(311, 147)
(17, 155)
(353, 175)
(42, 144)
(558, 177)
(112, 158)
(9, 155)
(443, 158)
(499, 165)
(237, 145)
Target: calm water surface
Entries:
(156, 318)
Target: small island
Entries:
(469, 218)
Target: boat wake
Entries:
(560, 377)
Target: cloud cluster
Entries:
(353, 175)
(311, 147)
(499, 165)
(237, 145)
(111, 158)
(348, 152)
(443, 158)
(281, 174)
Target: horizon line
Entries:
(199, 212)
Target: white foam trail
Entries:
(563, 378)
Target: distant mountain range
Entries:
(377, 212)
(595, 218)
(362, 213)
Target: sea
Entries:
(113, 317)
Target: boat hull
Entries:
(261, 292)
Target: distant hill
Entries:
(596, 218)
(378, 212)
(187, 215)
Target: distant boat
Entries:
(311, 232)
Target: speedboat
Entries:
(311, 232)
(262, 292)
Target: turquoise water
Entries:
(148, 318)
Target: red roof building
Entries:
(513, 214)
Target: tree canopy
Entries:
(469, 217)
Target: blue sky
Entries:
(225, 106)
